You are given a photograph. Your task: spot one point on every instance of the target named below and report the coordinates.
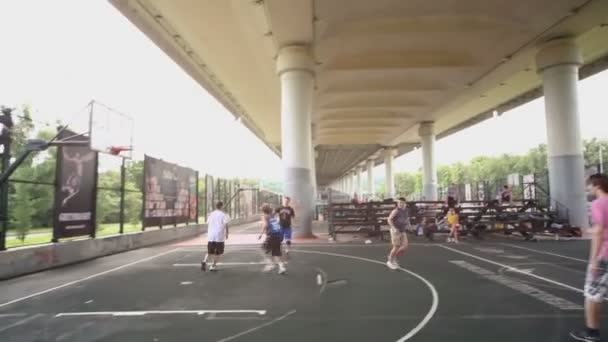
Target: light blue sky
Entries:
(63, 53)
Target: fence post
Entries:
(122, 196)
(6, 157)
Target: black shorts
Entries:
(272, 245)
(215, 248)
(452, 202)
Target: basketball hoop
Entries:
(116, 150)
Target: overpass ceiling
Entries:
(382, 66)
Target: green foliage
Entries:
(23, 210)
(494, 170)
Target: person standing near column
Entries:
(399, 221)
(286, 217)
(596, 282)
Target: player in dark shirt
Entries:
(286, 216)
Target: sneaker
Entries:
(391, 265)
(583, 335)
(203, 266)
(213, 268)
(396, 264)
(268, 268)
(282, 269)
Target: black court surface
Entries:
(493, 290)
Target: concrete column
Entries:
(389, 155)
(346, 184)
(314, 156)
(295, 69)
(314, 175)
(358, 184)
(370, 178)
(557, 63)
(429, 168)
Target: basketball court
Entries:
(501, 289)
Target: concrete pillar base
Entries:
(299, 188)
(566, 181)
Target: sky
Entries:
(59, 55)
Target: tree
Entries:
(22, 210)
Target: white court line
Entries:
(547, 253)
(434, 294)
(230, 338)
(21, 322)
(13, 315)
(223, 264)
(87, 278)
(158, 312)
(513, 269)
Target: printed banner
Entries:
(170, 193)
(75, 193)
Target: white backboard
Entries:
(109, 128)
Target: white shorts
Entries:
(596, 285)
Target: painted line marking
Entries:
(13, 315)
(230, 338)
(515, 257)
(513, 269)
(159, 312)
(302, 246)
(21, 322)
(223, 264)
(489, 250)
(73, 332)
(547, 253)
(88, 278)
(513, 284)
(434, 295)
(526, 270)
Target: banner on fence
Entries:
(170, 193)
(75, 192)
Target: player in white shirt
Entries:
(217, 233)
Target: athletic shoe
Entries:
(391, 265)
(268, 268)
(583, 335)
(396, 264)
(213, 268)
(282, 269)
(203, 266)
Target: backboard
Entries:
(110, 131)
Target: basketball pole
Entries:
(122, 195)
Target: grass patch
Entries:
(39, 236)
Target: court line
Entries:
(21, 322)
(71, 333)
(223, 264)
(513, 269)
(157, 312)
(13, 315)
(547, 253)
(434, 294)
(87, 278)
(230, 338)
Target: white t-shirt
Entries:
(216, 226)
